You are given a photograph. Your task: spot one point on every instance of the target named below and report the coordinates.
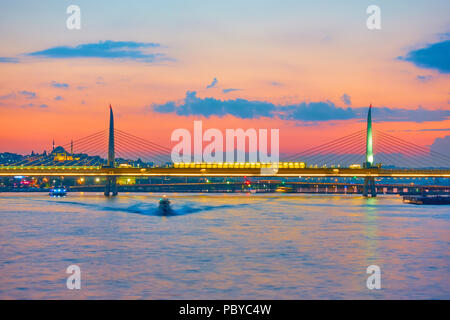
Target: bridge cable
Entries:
(325, 145)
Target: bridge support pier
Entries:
(111, 186)
(369, 183)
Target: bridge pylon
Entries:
(111, 185)
(369, 182)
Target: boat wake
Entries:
(147, 208)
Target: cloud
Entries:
(418, 115)
(346, 99)
(424, 78)
(108, 49)
(276, 84)
(24, 93)
(8, 96)
(436, 129)
(31, 105)
(213, 84)
(240, 108)
(435, 56)
(59, 85)
(304, 111)
(8, 60)
(28, 94)
(229, 90)
(318, 111)
(59, 98)
(441, 145)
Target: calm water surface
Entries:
(222, 246)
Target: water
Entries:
(222, 246)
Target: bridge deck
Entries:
(221, 172)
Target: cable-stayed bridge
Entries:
(113, 153)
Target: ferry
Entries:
(58, 192)
(436, 200)
(164, 206)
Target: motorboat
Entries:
(164, 205)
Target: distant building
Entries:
(60, 154)
(9, 158)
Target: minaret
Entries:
(53, 145)
(369, 140)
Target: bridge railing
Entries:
(415, 171)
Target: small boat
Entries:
(436, 200)
(58, 192)
(164, 206)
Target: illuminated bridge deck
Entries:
(220, 172)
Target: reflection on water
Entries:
(222, 246)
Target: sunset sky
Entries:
(307, 68)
